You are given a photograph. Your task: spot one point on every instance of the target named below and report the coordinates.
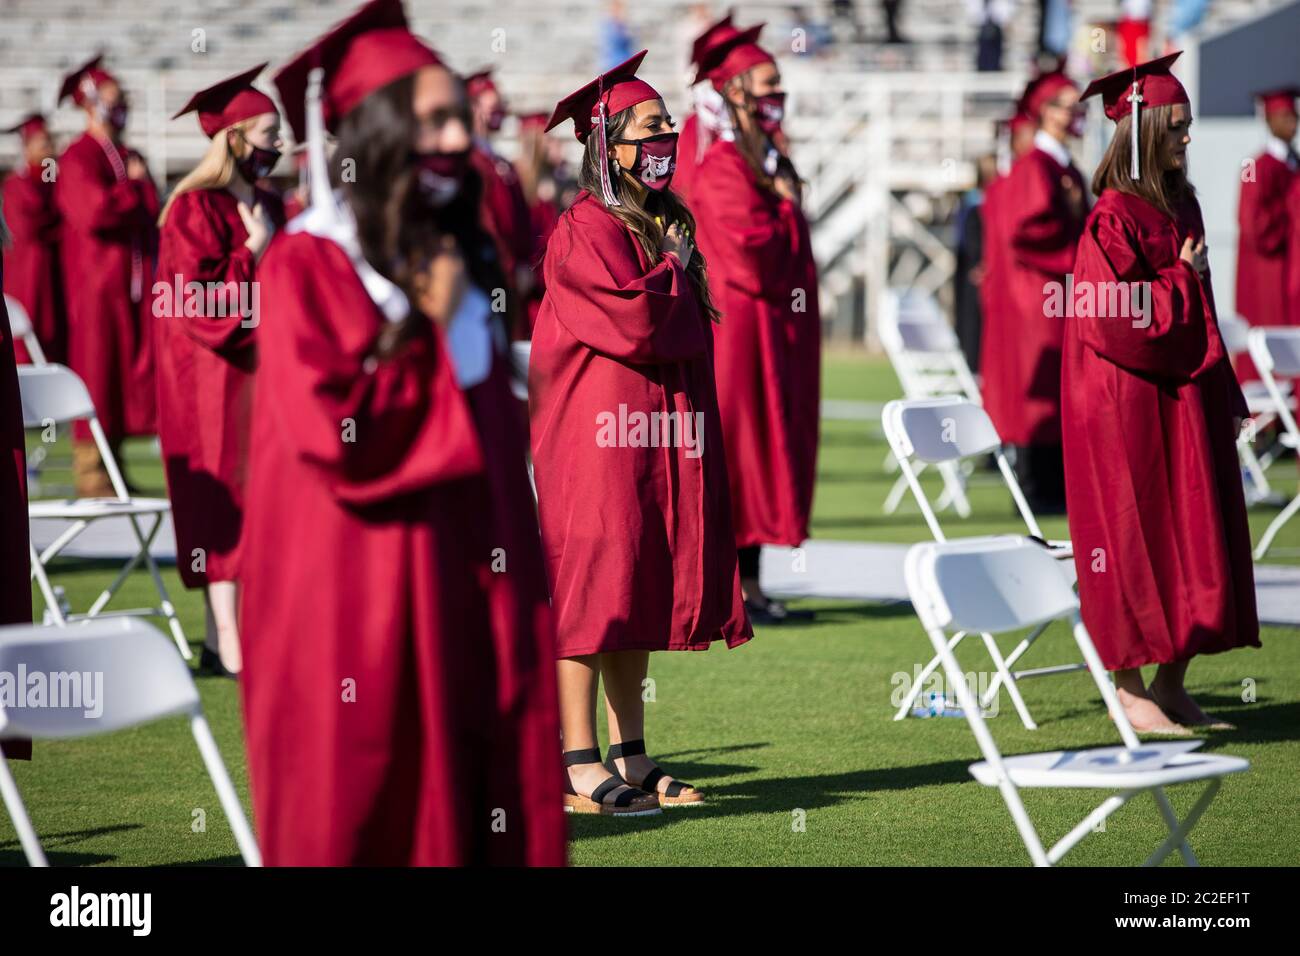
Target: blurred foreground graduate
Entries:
(398, 683)
(627, 442)
(214, 229)
(109, 206)
(33, 273)
(1268, 261)
(1151, 410)
(15, 566)
(709, 118)
(746, 198)
(1040, 211)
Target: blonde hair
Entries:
(215, 170)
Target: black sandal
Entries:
(678, 794)
(632, 802)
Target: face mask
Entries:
(114, 116)
(258, 164)
(1076, 125)
(495, 120)
(656, 159)
(769, 110)
(440, 175)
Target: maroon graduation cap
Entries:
(82, 82)
(1281, 100)
(1041, 89)
(1132, 90)
(730, 53)
(365, 52)
(724, 29)
(591, 106)
(29, 126)
(232, 100)
(479, 82)
(534, 120)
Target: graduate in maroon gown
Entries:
(214, 229)
(1020, 352)
(1151, 411)
(627, 442)
(1266, 255)
(398, 682)
(537, 170)
(33, 273)
(109, 206)
(15, 566)
(709, 118)
(746, 199)
(505, 209)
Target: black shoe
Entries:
(767, 611)
(210, 665)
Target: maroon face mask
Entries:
(656, 159)
(440, 175)
(496, 119)
(769, 110)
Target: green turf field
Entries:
(790, 735)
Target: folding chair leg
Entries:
(46, 589)
(18, 813)
(168, 609)
(1087, 825)
(225, 790)
(1010, 682)
(922, 677)
(1286, 515)
(1178, 831)
(1016, 653)
(895, 496)
(954, 488)
(1250, 461)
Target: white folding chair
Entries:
(1262, 409)
(1276, 352)
(53, 395)
(142, 681)
(520, 353)
(20, 324)
(928, 360)
(947, 430)
(996, 585)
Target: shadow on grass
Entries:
(11, 853)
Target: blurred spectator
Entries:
(616, 43)
(1134, 29)
(970, 261)
(816, 36)
(1185, 17)
(892, 8)
(1055, 32)
(844, 11)
(989, 16)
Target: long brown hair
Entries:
(646, 217)
(398, 232)
(1164, 189)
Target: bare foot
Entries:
(1147, 717)
(1178, 705)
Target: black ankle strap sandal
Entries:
(676, 794)
(631, 802)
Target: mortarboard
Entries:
(364, 53)
(1281, 100)
(1132, 90)
(479, 82)
(730, 54)
(591, 106)
(29, 126)
(228, 102)
(1040, 90)
(724, 29)
(532, 120)
(81, 83)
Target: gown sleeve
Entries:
(1178, 343)
(1040, 234)
(606, 300)
(375, 429)
(90, 205)
(197, 245)
(754, 239)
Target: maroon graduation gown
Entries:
(767, 346)
(15, 566)
(33, 274)
(398, 684)
(504, 213)
(1266, 257)
(1156, 510)
(205, 365)
(108, 248)
(688, 160)
(1020, 356)
(638, 540)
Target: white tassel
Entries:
(606, 187)
(319, 192)
(1135, 121)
